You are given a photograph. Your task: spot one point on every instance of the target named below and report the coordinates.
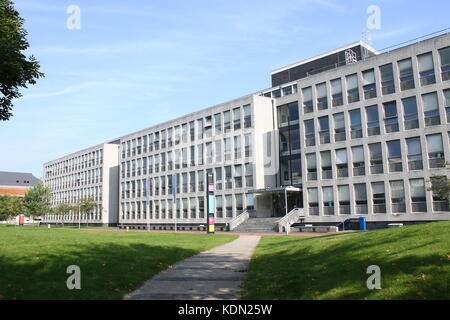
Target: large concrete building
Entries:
(349, 133)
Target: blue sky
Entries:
(136, 63)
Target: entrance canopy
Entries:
(281, 189)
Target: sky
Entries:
(136, 63)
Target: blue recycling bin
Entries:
(362, 224)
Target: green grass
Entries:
(33, 260)
(414, 262)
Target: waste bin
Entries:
(362, 224)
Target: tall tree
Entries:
(4, 208)
(37, 201)
(440, 185)
(16, 70)
(64, 209)
(87, 205)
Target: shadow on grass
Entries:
(413, 262)
(108, 271)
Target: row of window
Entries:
(76, 195)
(225, 178)
(218, 123)
(90, 159)
(227, 206)
(424, 66)
(329, 205)
(215, 152)
(76, 179)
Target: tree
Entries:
(16, 70)
(37, 201)
(86, 205)
(4, 208)
(15, 206)
(440, 185)
(63, 209)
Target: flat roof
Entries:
(325, 54)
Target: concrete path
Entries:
(214, 274)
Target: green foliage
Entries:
(440, 185)
(10, 207)
(64, 208)
(87, 205)
(16, 70)
(37, 201)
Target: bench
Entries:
(395, 225)
(320, 229)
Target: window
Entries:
(227, 121)
(192, 130)
(248, 175)
(307, 100)
(358, 161)
(336, 92)
(369, 86)
(355, 124)
(394, 156)
(218, 150)
(387, 79)
(339, 127)
(169, 137)
(373, 122)
(250, 201)
(322, 100)
(311, 166)
(229, 205)
(199, 155)
(227, 143)
(414, 154)
(435, 151)
(209, 153)
(192, 156)
(397, 196)
(248, 145)
(390, 117)
(237, 118)
(410, 115)
(313, 201)
(327, 172)
(378, 197)
(228, 178)
(294, 138)
(247, 116)
(418, 198)
(238, 176)
(219, 178)
(238, 200)
(285, 171)
(283, 116)
(237, 147)
(310, 133)
(445, 63)
(447, 103)
(344, 199)
(352, 88)
(296, 170)
(324, 130)
(178, 134)
(406, 74)
(431, 109)
(287, 91)
(200, 180)
(218, 123)
(361, 198)
(328, 201)
(208, 126)
(200, 129)
(426, 69)
(376, 158)
(342, 163)
(163, 140)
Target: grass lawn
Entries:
(33, 260)
(414, 263)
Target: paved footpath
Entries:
(214, 274)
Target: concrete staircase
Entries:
(257, 225)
